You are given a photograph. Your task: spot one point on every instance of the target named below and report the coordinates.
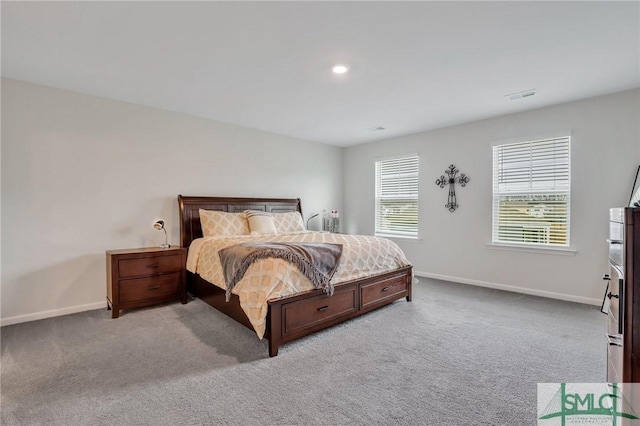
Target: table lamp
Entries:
(159, 225)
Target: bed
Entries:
(297, 315)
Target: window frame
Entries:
(389, 233)
(495, 221)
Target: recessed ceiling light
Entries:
(520, 95)
(340, 69)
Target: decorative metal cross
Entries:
(462, 180)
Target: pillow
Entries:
(216, 223)
(288, 222)
(260, 223)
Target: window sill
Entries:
(562, 251)
(399, 237)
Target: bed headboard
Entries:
(190, 228)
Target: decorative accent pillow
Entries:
(260, 223)
(288, 222)
(215, 223)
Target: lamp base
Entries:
(164, 246)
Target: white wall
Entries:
(82, 174)
(604, 148)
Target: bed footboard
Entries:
(293, 317)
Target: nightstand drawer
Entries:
(149, 265)
(156, 287)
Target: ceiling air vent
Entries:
(520, 95)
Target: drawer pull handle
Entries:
(614, 339)
(386, 288)
(157, 287)
(610, 295)
(323, 308)
(153, 266)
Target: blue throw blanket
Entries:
(317, 261)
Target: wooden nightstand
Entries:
(145, 276)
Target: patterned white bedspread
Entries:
(273, 278)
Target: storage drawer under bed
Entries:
(309, 312)
(374, 294)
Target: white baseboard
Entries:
(100, 305)
(52, 313)
(523, 290)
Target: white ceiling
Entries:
(415, 66)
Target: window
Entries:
(397, 197)
(531, 192)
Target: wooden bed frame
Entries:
(292, 317)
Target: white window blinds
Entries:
(531, 192)
(397, 197)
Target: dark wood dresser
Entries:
(623, 324)
(145, 276)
